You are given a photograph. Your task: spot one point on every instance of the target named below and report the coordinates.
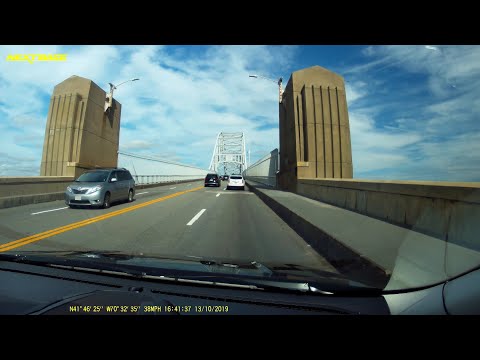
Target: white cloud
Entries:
(91, 61)
(355, 91)
(404, 110)
(368, 51)
(432, 142)
(375, 149)
(137, 144)
(449, 65)
(177, 108)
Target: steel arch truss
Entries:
(229, 155)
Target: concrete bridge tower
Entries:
(314, 128)
(79, 135)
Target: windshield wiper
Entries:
(221, 280)
(12, 257)
(268, 282)
(192, 280)
(216, 280)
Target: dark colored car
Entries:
(212, 180)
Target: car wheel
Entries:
(72, 206)
(243, 188)
(228, 188)
(130, 195)
(106, 201)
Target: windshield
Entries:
(359, 164)
(97, 176)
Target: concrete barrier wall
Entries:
(147, 186)
(17, 191)
(142, 166)
(264, 171)
(160, 179)
(31, 185)
(445, 210)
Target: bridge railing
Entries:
(161, 179)
(264, 171)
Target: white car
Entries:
(236, 181)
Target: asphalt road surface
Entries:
(177, 220)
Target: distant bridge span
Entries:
(229, 154)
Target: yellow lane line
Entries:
(49, 233)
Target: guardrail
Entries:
(264, 171)
(161, 179)
(17, 191)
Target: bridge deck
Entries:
(367, 248)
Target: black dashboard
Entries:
(32, 289)
(27, 288)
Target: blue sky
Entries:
(414, 110)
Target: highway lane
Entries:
(178, 220)
(21, 221)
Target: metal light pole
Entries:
(108, 103)
(280, 95)
(279, 83)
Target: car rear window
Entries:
(124, 175)
(209, 176)
(236, 177)
(121, 176)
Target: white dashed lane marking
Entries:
(41, 212)
(196, 217)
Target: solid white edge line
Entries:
(41, 212)
(146, 192)
(173, 188)
(217, 195)
(195, 218)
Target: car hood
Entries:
(83, 184)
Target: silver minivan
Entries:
(101, 187)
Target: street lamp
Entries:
(109, 101)
(279, 83)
